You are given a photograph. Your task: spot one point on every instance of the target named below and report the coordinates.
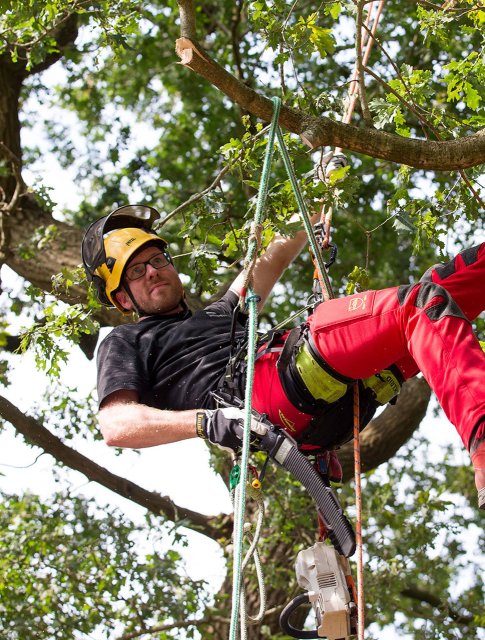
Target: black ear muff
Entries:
(99, 286)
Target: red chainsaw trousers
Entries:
(422, 327)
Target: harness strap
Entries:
(315, 353)
(307, 379)
(293, 339)
(385, 385)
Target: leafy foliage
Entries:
(44, 339)
(131, 124)
(109, 585)
(410, 573)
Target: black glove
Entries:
(224, 427)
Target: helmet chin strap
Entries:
(141, 312)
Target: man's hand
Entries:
(224, 427)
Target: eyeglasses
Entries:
(138, 270)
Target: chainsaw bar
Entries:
(285, 452)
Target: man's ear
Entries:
(124, 300)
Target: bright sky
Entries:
(180, 470)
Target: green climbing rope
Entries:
(250, 303)
(312, 241)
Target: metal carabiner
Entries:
(332, 247)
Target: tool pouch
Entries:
(385, 385)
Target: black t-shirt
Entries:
(172, 362)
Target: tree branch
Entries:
(187, 19)
(390, 430)
(359, 62)
(322, 131)
(37, 434)
(415, 593)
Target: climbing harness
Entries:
(309, 382)
(385, 385)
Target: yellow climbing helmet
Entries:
(111, 241)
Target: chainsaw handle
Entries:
(285, 624)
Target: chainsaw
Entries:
(325, 575)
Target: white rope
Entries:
(251, 554)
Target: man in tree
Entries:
(157, 377)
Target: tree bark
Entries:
(61, 251)
(11, 184)
(37, 434)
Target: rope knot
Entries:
(254, 246)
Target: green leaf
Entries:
(472, 97)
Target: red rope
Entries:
(358, 523)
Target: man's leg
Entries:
(464, 278)
(364, 333)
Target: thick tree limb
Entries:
(37, 434)
(390, 430)
(421, 595)
(315, 132)
(61, 251)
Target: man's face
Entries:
(158, 291)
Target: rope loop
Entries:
(251, 554)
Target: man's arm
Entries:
(271, 264)
(125, 422)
